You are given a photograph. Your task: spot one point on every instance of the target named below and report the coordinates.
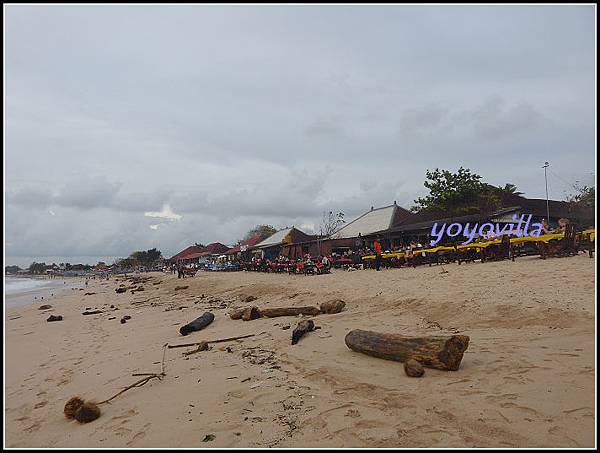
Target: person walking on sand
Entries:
(377, 247)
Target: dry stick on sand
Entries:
(144, 380)
(222, 340)
(87, 411)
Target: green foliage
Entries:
(144, 258)
(37, 268)
(125, 263)
(457, 193)
(11, 269)
(509, 188)
(263, 230)
(585, 196)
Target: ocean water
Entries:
(22, 290)
(14, 285)
(24, 261)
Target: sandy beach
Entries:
(526, 380)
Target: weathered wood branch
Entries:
(442, 353)
(289, 311)
(303, 328)
(222, 340)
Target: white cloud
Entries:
(166, 214)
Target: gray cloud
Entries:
(234, 116)
(495, 120)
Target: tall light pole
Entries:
(546, 165)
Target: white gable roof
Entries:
(370, 222)
(275, 239)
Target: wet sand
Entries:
(526, 380)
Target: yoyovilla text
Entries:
(487, 230)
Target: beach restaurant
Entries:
(418, 227)
(241, 252)
(351, 235)
(274, 245)
(197, 254)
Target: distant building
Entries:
(272, 246)
(351, 235)
(242, 250)
(199, 254)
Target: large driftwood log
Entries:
(289, 311)
(442, 353)
(197, 324)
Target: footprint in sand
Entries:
(36, 425)
(522, 408)
(137, 436)
(120, 431)
(40, 404)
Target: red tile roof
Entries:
(191, 249)
(247, 243)
(215, 247)
(195, 251)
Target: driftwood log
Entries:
(442, 353)
(289, 311)
(303, 328)
(250, 313)
(197, 324)
(54, 318)
(247, 313)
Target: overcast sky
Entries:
(159, 126)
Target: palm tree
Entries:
(510, 188)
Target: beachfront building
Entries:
(241, 252)
(273, 246)
(419, 226)
(197, 254)
(351, 236)
(179, 257)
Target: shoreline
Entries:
(526, 380)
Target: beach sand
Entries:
(526, 380)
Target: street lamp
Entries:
(546, 165)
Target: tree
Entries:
(457, 193)
(145, 258)
(264, 231)
(37, 268)
(509, 188)
(331, 222)
(11, 269)
(584, 196)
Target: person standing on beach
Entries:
(377, 247)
